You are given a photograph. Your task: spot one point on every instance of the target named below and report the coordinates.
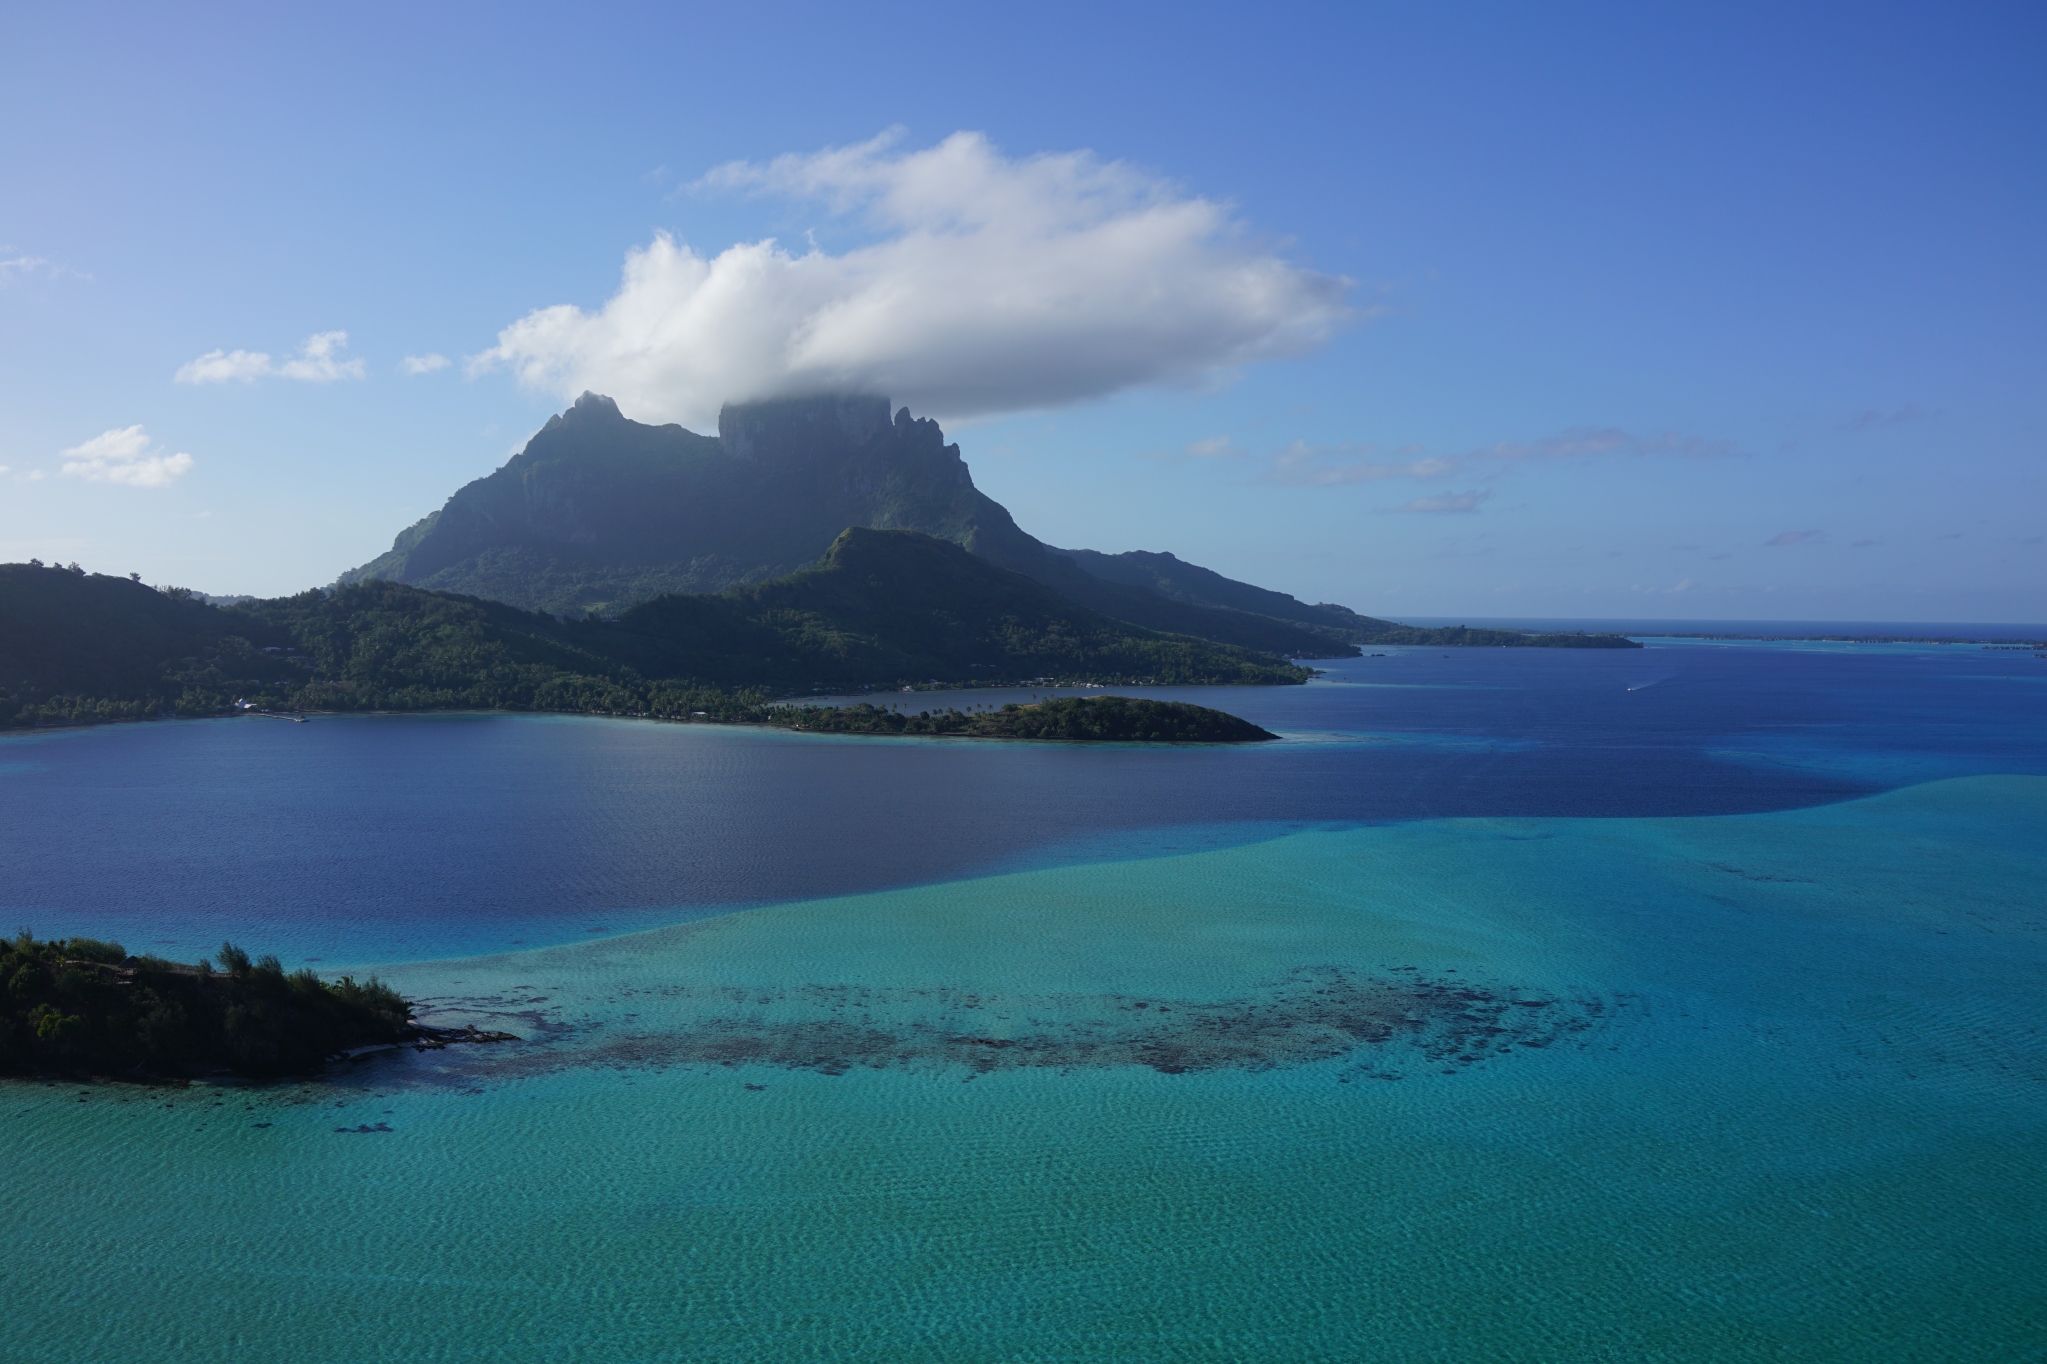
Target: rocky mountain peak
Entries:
(782, 430)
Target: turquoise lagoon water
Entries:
(1217, 1081)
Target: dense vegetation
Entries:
(79, 647)
(1130, 719)
(883, 609)
(80, 1005)
(1177, 580)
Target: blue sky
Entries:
(1712, 312)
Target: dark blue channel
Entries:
(385, 838)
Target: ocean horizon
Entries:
(1788, 628)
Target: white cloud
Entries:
(316, 362)
(994, 285)
(1444, 503)
(1215, 447)
(1313, 466)
(1583, 441)
(14, 267)
(1321, 466)
(20, 265)
(1874, 420)
(218, 367)
(423, 364)
(123, 455)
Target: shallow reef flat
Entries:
(1248, 958)
(1756, 1087)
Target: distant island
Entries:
(1125, 719)
(816, 545)
(81, 1006)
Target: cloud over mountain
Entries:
(992, 284)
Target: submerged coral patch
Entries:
(1313, 1014)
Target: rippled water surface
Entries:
(1676, 1004)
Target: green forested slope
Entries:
(1177, 580)
(883, 608)
(88, 646)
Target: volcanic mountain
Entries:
(599, 513)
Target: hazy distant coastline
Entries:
(1864, 631)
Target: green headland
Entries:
(1125, 719)
(81, 1006)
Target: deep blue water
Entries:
(391, 838)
